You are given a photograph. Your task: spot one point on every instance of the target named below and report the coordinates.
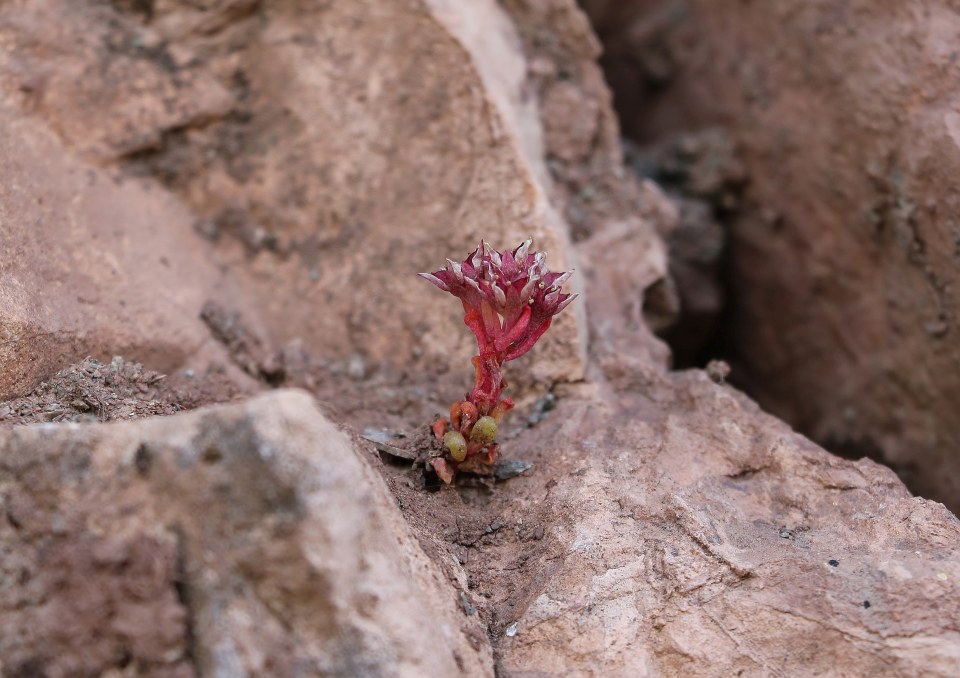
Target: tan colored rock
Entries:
(668, 527)
(302, 164)
(110, 87)
(696, 536)
(845, 256)
(243, 540)
(88, 266)
(580, 131)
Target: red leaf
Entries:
(443, 468)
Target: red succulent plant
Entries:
(509, 300)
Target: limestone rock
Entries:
(696, 536)
(243, 540)
(275, 158)
(84, 269)
(313, 158)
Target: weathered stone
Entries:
(244, 540)
(696, 536)
(83, 263)
(844, 254)
(318, 156)
(274, 158)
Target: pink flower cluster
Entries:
(509, 300)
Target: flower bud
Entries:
(456, 444)
(484, 431)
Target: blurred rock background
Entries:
(203, 202)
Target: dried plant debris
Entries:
(93, 391)
(121, 390)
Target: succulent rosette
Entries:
(509, 299)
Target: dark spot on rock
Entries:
(75, 467)
(866, 604)
(28, 668)
(143, 459)
(468, 608)
(833, 563)
(506, 469)
(208, 228)
(211, 455)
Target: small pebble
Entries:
(718, 371)
(512, 630)
(377, 435)
(504, 469)
(356, 367)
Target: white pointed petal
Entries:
(500, 296)
(558, 283)
(495, 258)
(521, 254)
(456, 268)
(435, 280)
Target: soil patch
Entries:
(118, 391)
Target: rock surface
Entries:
(250, 539)
(845, 252)
(670, 530)
(264, 184)
(694, 536)
(270, 158)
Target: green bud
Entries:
(457, 444)
(484, 431)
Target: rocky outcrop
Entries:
(694, 536)
(259, 193)
(844, 253)
(247, 540)
(670, 530)
(275, 159)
